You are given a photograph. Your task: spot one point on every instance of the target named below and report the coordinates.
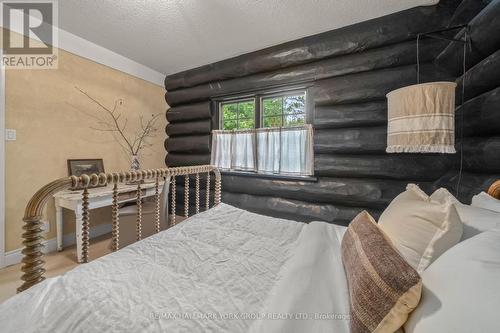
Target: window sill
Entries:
(270, 176)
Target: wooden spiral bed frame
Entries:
(33, 236)
(33, 265)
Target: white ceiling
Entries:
(170, 36)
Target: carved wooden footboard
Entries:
(33, 264)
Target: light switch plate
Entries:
(10, 134)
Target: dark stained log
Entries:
(176, 160)
(373, 193)
(369, 86)
(484, 34)
(389, 56)
(483, 77)
(364, 140)
(189, 128)
(466, 11)
(350, 115)
(482, 155)
(374, 33)
(481, 115)
(188, 144)
(293, 209)
(189, 112)
(350, 131)
(410, 167)
(470, 184)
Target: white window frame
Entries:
(258, 98)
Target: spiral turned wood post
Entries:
(157, 204)
(186, 196)
(174, 188)
(197, 195)
(32, 253)
(138, 226)
(115, 222)
(208, 191)
(218, 187)
(32, 267)
(85, 225)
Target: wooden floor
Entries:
(56, 263)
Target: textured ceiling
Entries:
(174, 35)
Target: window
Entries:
(264, 111)
(265, 133)
(238, 115)
(284, 111)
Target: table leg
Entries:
(59, 227)
(79, 240)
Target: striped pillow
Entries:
(383, 287)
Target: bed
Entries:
(221, 270)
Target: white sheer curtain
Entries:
(287, 151)
(243, 150)
(234, 150)
(269, 150)
(221, 149)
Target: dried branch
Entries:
(146, 131)
(113, 125)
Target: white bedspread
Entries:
(311, 294)
(223, 270)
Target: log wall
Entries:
(479, 116)
(349, 71)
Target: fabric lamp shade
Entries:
(421, 118)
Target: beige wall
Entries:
(53, 122)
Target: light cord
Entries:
(462, 101)
(418, 59)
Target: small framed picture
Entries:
(85, 166)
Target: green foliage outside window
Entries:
(238, 115)
(277, 111)
(283, 111)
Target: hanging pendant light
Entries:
(421, 117)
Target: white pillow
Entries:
(443, 195)
(475, 220)
(486, 201)
(420, 228)
(461, 292)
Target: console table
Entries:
(98, 197)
